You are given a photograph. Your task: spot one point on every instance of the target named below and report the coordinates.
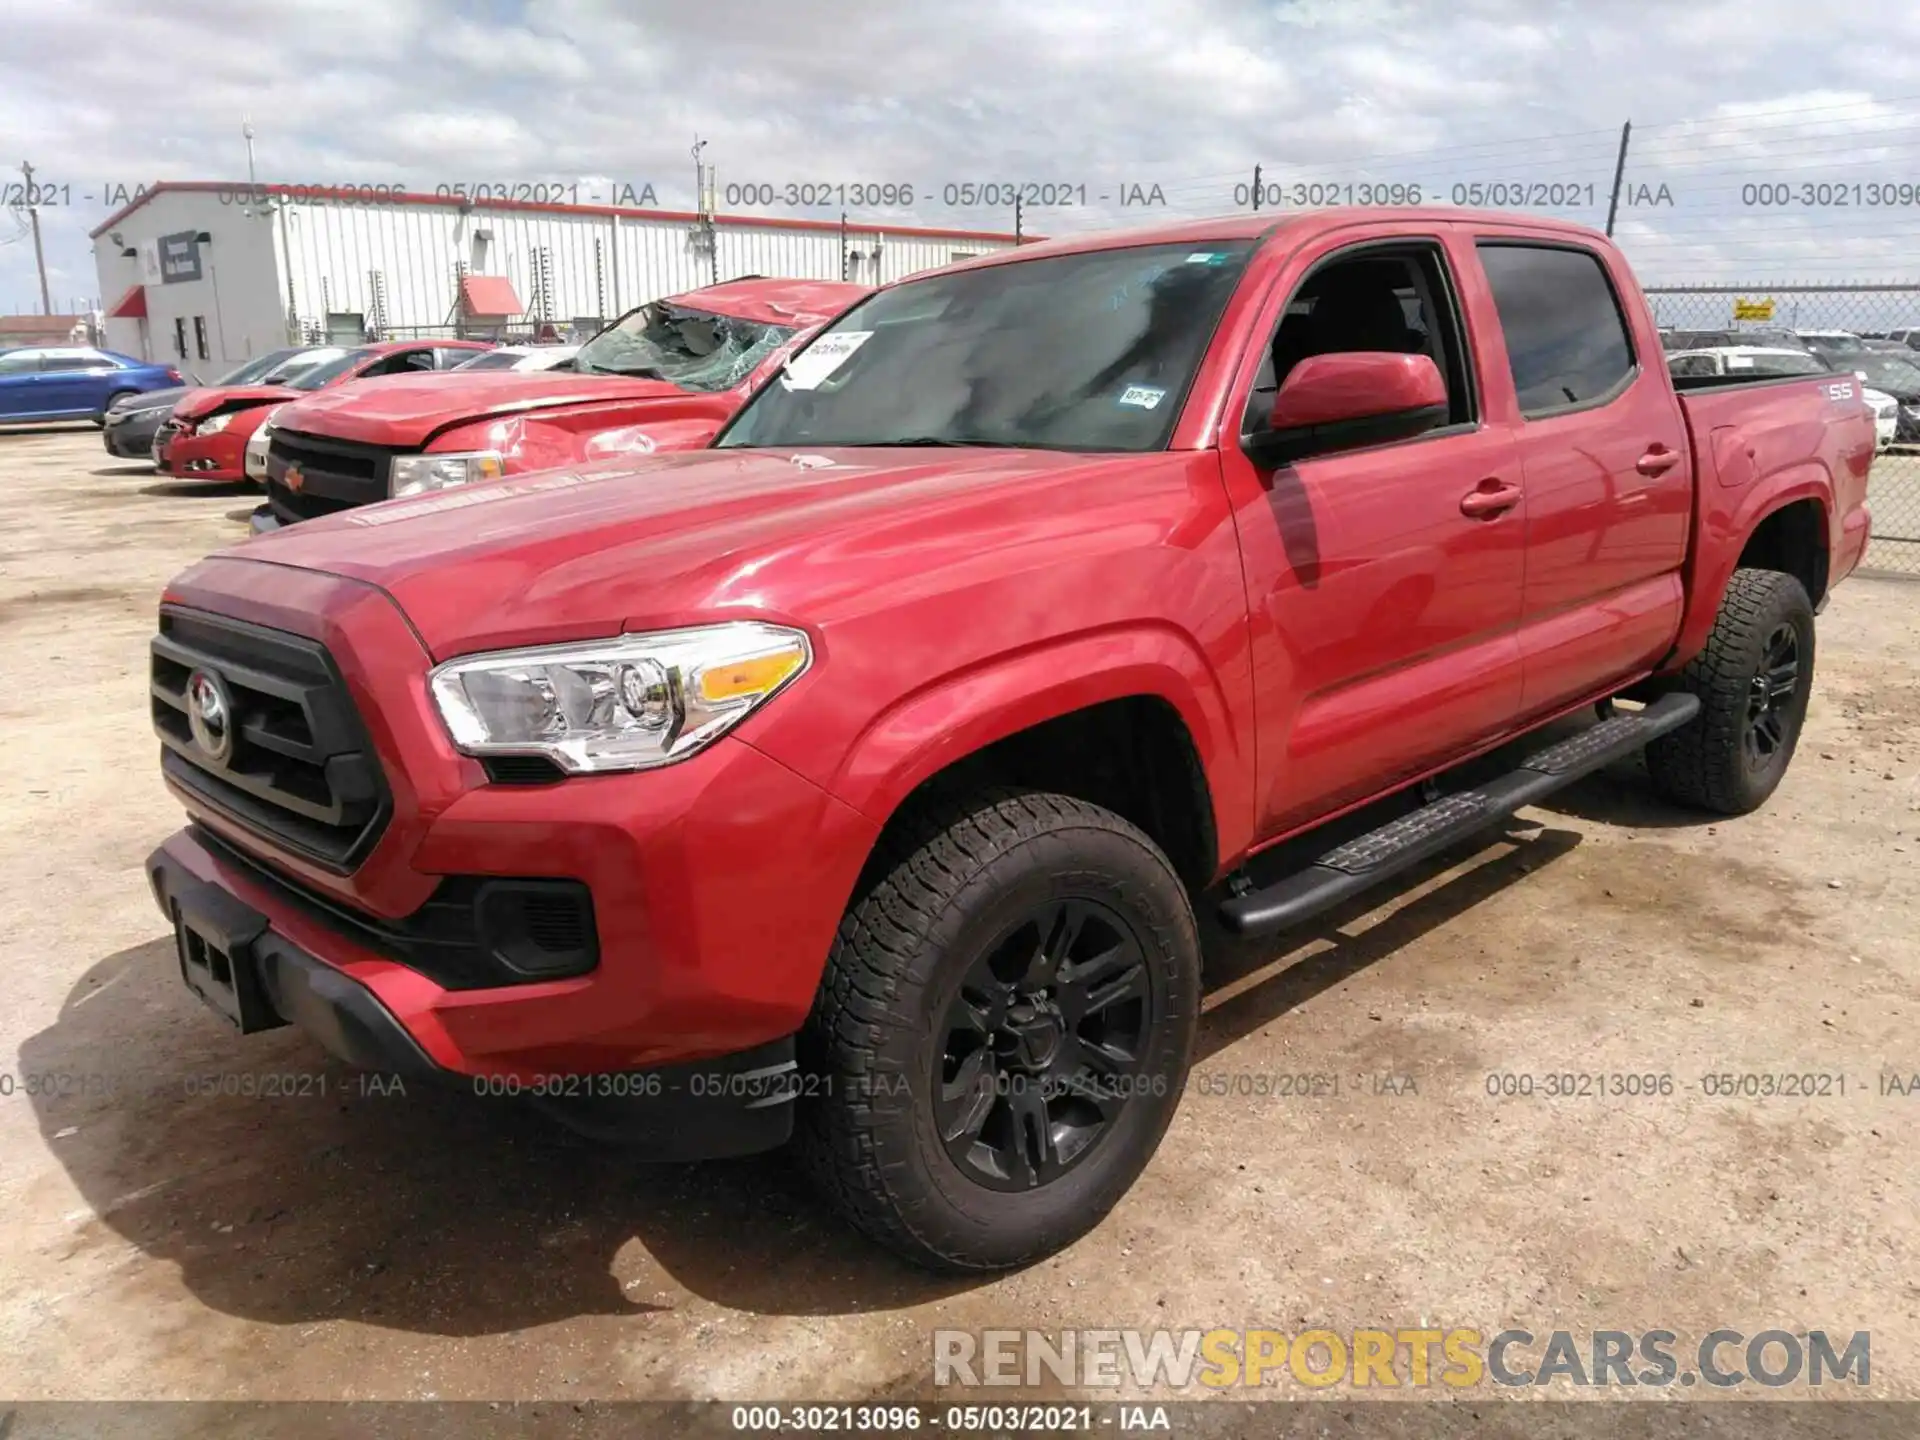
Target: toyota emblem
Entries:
(293, 477)
(210, 715)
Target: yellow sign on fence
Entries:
(1753, 309)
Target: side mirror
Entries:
(1343, 401)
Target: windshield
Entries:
(694, 349)
(1086, 352)
(315, 376)
(1887, 372)
(256, 368)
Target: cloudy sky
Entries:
(1725, 96)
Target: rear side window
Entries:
(1566, 339)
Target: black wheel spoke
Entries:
(1035, 1158)
(968, 1099)
(1059, 931)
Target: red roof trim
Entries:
(350, 196)
(130, 306)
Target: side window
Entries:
(1566, 337)
(57, 362)
(1682, 365)
(1397, 299)
(448, 358)
(20, 362)
(404, 362)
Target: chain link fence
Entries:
(1875, 331)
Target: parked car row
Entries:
(1890, 382)
(665, 376)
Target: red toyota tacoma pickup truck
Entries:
(664, 376)
(857, 780)
(205, 438)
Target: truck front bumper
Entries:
(232, 958)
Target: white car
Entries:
(255, 463)
(1886, 415)
(1770, 360)
(522, 357)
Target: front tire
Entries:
(1003, 1030)
(1753, 678)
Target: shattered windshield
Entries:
(693, 349)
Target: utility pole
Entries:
(1619, 169)
(39, 257)
(1256, 187)
(702, 182)
(246, 129)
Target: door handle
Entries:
(1491, 498)
(1657, 461)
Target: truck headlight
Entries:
(417, 474)
(629, 703)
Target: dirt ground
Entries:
(160, 1241)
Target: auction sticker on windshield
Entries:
(820, 359)
(1143, 397)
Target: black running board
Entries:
(1373, 857)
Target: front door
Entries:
(1384, 601)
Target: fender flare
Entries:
(963, 712)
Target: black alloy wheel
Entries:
(1042, 1045)
(1770, 698)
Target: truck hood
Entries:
(672, 539)
(209, 398)
(406, 410)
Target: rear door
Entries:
(1383, 614)
(72, 381)
(1603, 446)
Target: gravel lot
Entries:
(161, 1241)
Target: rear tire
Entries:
(1753, 678)
(1003, 1030)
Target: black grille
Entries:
(301, 772)
(474, 932)
(333, 475)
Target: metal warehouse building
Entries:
(208, 274)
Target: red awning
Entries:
(130, 306)
(489, 295)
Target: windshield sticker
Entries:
(1207, 257)
(806, 370)
(1142, 397)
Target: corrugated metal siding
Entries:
(598, 265)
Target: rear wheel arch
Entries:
(1794, 538)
